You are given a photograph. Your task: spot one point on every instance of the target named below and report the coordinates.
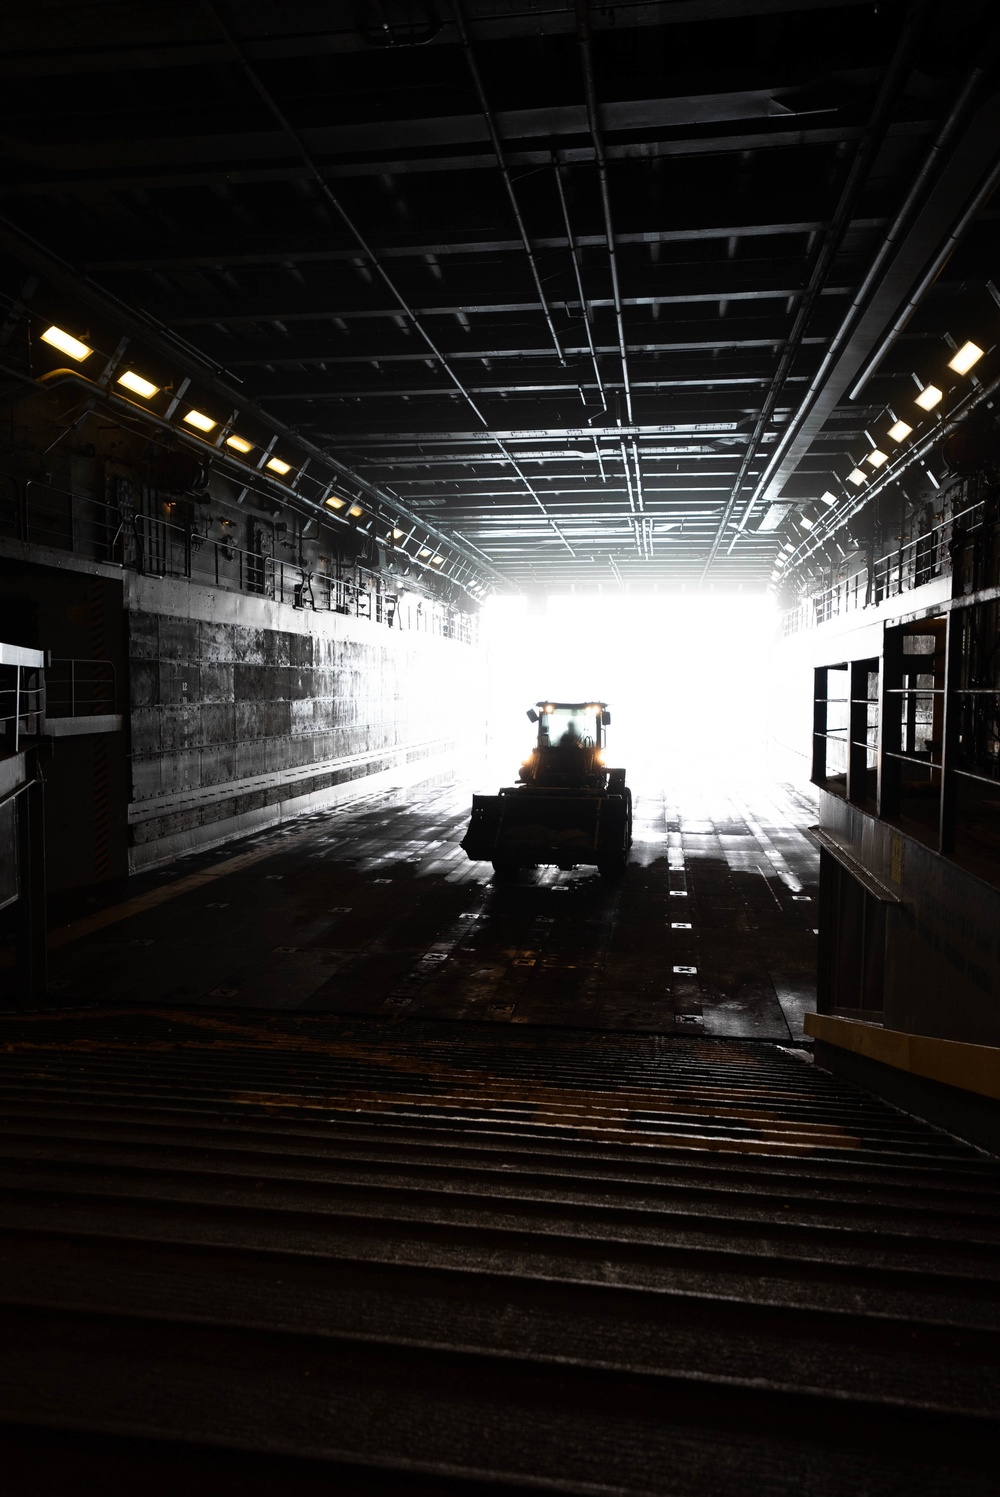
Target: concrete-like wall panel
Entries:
(244, 711)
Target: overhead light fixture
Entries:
(203, 423)
(899, 431)
(780, 561)
(356, 511)
(968, 354)
(774, 516)
(277, 466)
(240, 443)
(397, 534)
(424, 551)
(138, 385)
(66, 343)
(857, 477)
(929, 397)
(827, 498)
(436, 561)
(806, 523)
(333, 501)
(877, 458)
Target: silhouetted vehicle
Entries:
(569, 807)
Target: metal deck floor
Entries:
(374, 909)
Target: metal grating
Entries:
(294, 1252)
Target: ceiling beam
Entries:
(305, 251)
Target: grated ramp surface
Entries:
(303, 1253)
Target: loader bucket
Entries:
(544, 827)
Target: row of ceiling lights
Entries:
(929, 398)
(137, 384)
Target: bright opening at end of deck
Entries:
(685, 679)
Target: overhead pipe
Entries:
(863, 159)
(944, 254)
(594, 123)
(491, 126)
(99, 393)
(329, 196)
(894, 473)
(889, 243)
(172, 349)
(584, 303)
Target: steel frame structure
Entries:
(585, 288)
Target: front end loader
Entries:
(568, 807)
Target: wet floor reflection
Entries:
(375, 909)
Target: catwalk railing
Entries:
(22, 695)
(935, 553)
(36, 688)
(44, 515)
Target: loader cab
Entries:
(569, 746)
(571, 724)
(568, 807)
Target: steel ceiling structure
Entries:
(591, 287)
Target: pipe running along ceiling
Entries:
(588, 289)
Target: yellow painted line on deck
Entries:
(958, 1063)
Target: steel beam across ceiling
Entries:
(591, 287)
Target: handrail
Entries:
(28, 700)
(919, 560)
(21, 655)
(35, 686)
(155, 546)
(94, 697)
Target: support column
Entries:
(954, 631)
(31, 915)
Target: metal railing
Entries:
(116, 534)
(22, 694)
(917, 561)
(34, 687)
(75, 687)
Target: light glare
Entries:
(66, 343)
(579, 651)
(201, 421)
(968, 354)
(138, 385)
